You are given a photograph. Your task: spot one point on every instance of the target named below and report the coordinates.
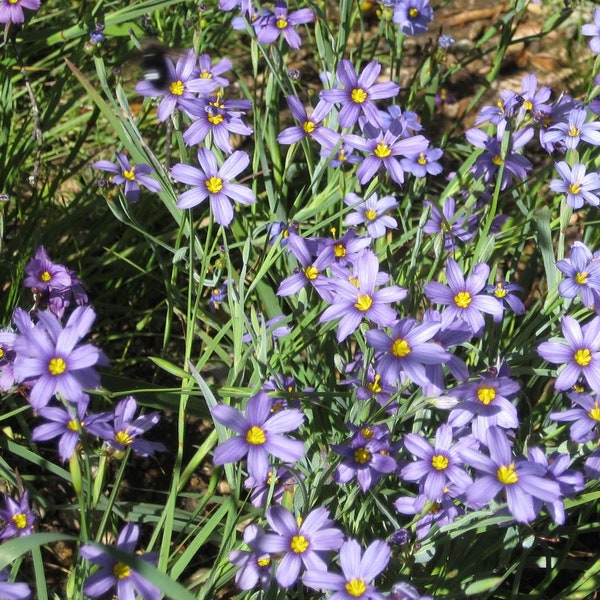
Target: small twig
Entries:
(35, 111)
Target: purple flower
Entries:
(254, 566)
(436, 466)
(575, 129)
(406, 350)
(504, 108)
(207, 70)
(43, 275)
(356, 301)
(359, 93)
(579, 352)
(279, 479)
(214, 182)
(216, 118)
(589, 29)
(570, 482)
(310, 127)
(577, 185)
(302, 542)
(423, 163)
(131, 175)
(123, 428)
(534, 100)
(359, 570)
(446, 41)
(383, 148)
(259, 435)
(11, 11)
(585, 416)
(485, 403)
(178, 91)
(374, 387)
(522, 481)
(446, 223)
(582, 275)
(412, 16)
(66, 423)
(17, 518)
(282, 22)
(342, 156)
(405, 591)
(463, 296)
(372, 213)
(488, 163)
(50, 359)
(503, 291)
(13, 590)
(117, 575)
(365, 458)
(342, 252)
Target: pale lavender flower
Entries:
(372, 213)
(11, 11)
(43, 275)
(406, 350)
(463, 296)
(591, 30)
(521, 481)
(578, 186)
(359, 570)
(119, 576)
(446, 41)
(446, 223)
(359, 92)
(582, 275)
(578, 352)
(51, 361)
(413, 16)
(342, 252)
(259, 435)
(353, 302)
(279, 479)
(584, 416)
(310, 127)
(575, 129)
(405, 591)
(214, 182)
(501, 111)
(302, 542)
(534, 100)
(13, 590)
(436, 466)
(131, 175)
(16, 519)
(424, 163)
(253, 565)
(282, 22)
(206, 70)
(503, 291)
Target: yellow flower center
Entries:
(462, 299)
(581, 278)
(422, 160)
(439, 462)
(575, 188)
(497, 160)
(177, 88)
(528, 105)
(205, 74)
(215, 119)
(375, 386)
(45, 276)
(57, 366)
(74, 425)
(123, 437)
(339, 250)
(214, 185)
(400, 348)
(311, 272)
(129, 174)
(507, 474)
(263, 561)
(358, 95)
(356, 587)
(371, 214)
(500, 290)
(256, 436)
(367, 433)
(362, 456)
(595, 412)
(341, 155)
(364, 302)
(413, 13)
(299, 544)
(281, 22)
(583, 357)
(20, 520)
(573, 131)
(486, 394)
(121, 570)
(308, 127)
(382, 150)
